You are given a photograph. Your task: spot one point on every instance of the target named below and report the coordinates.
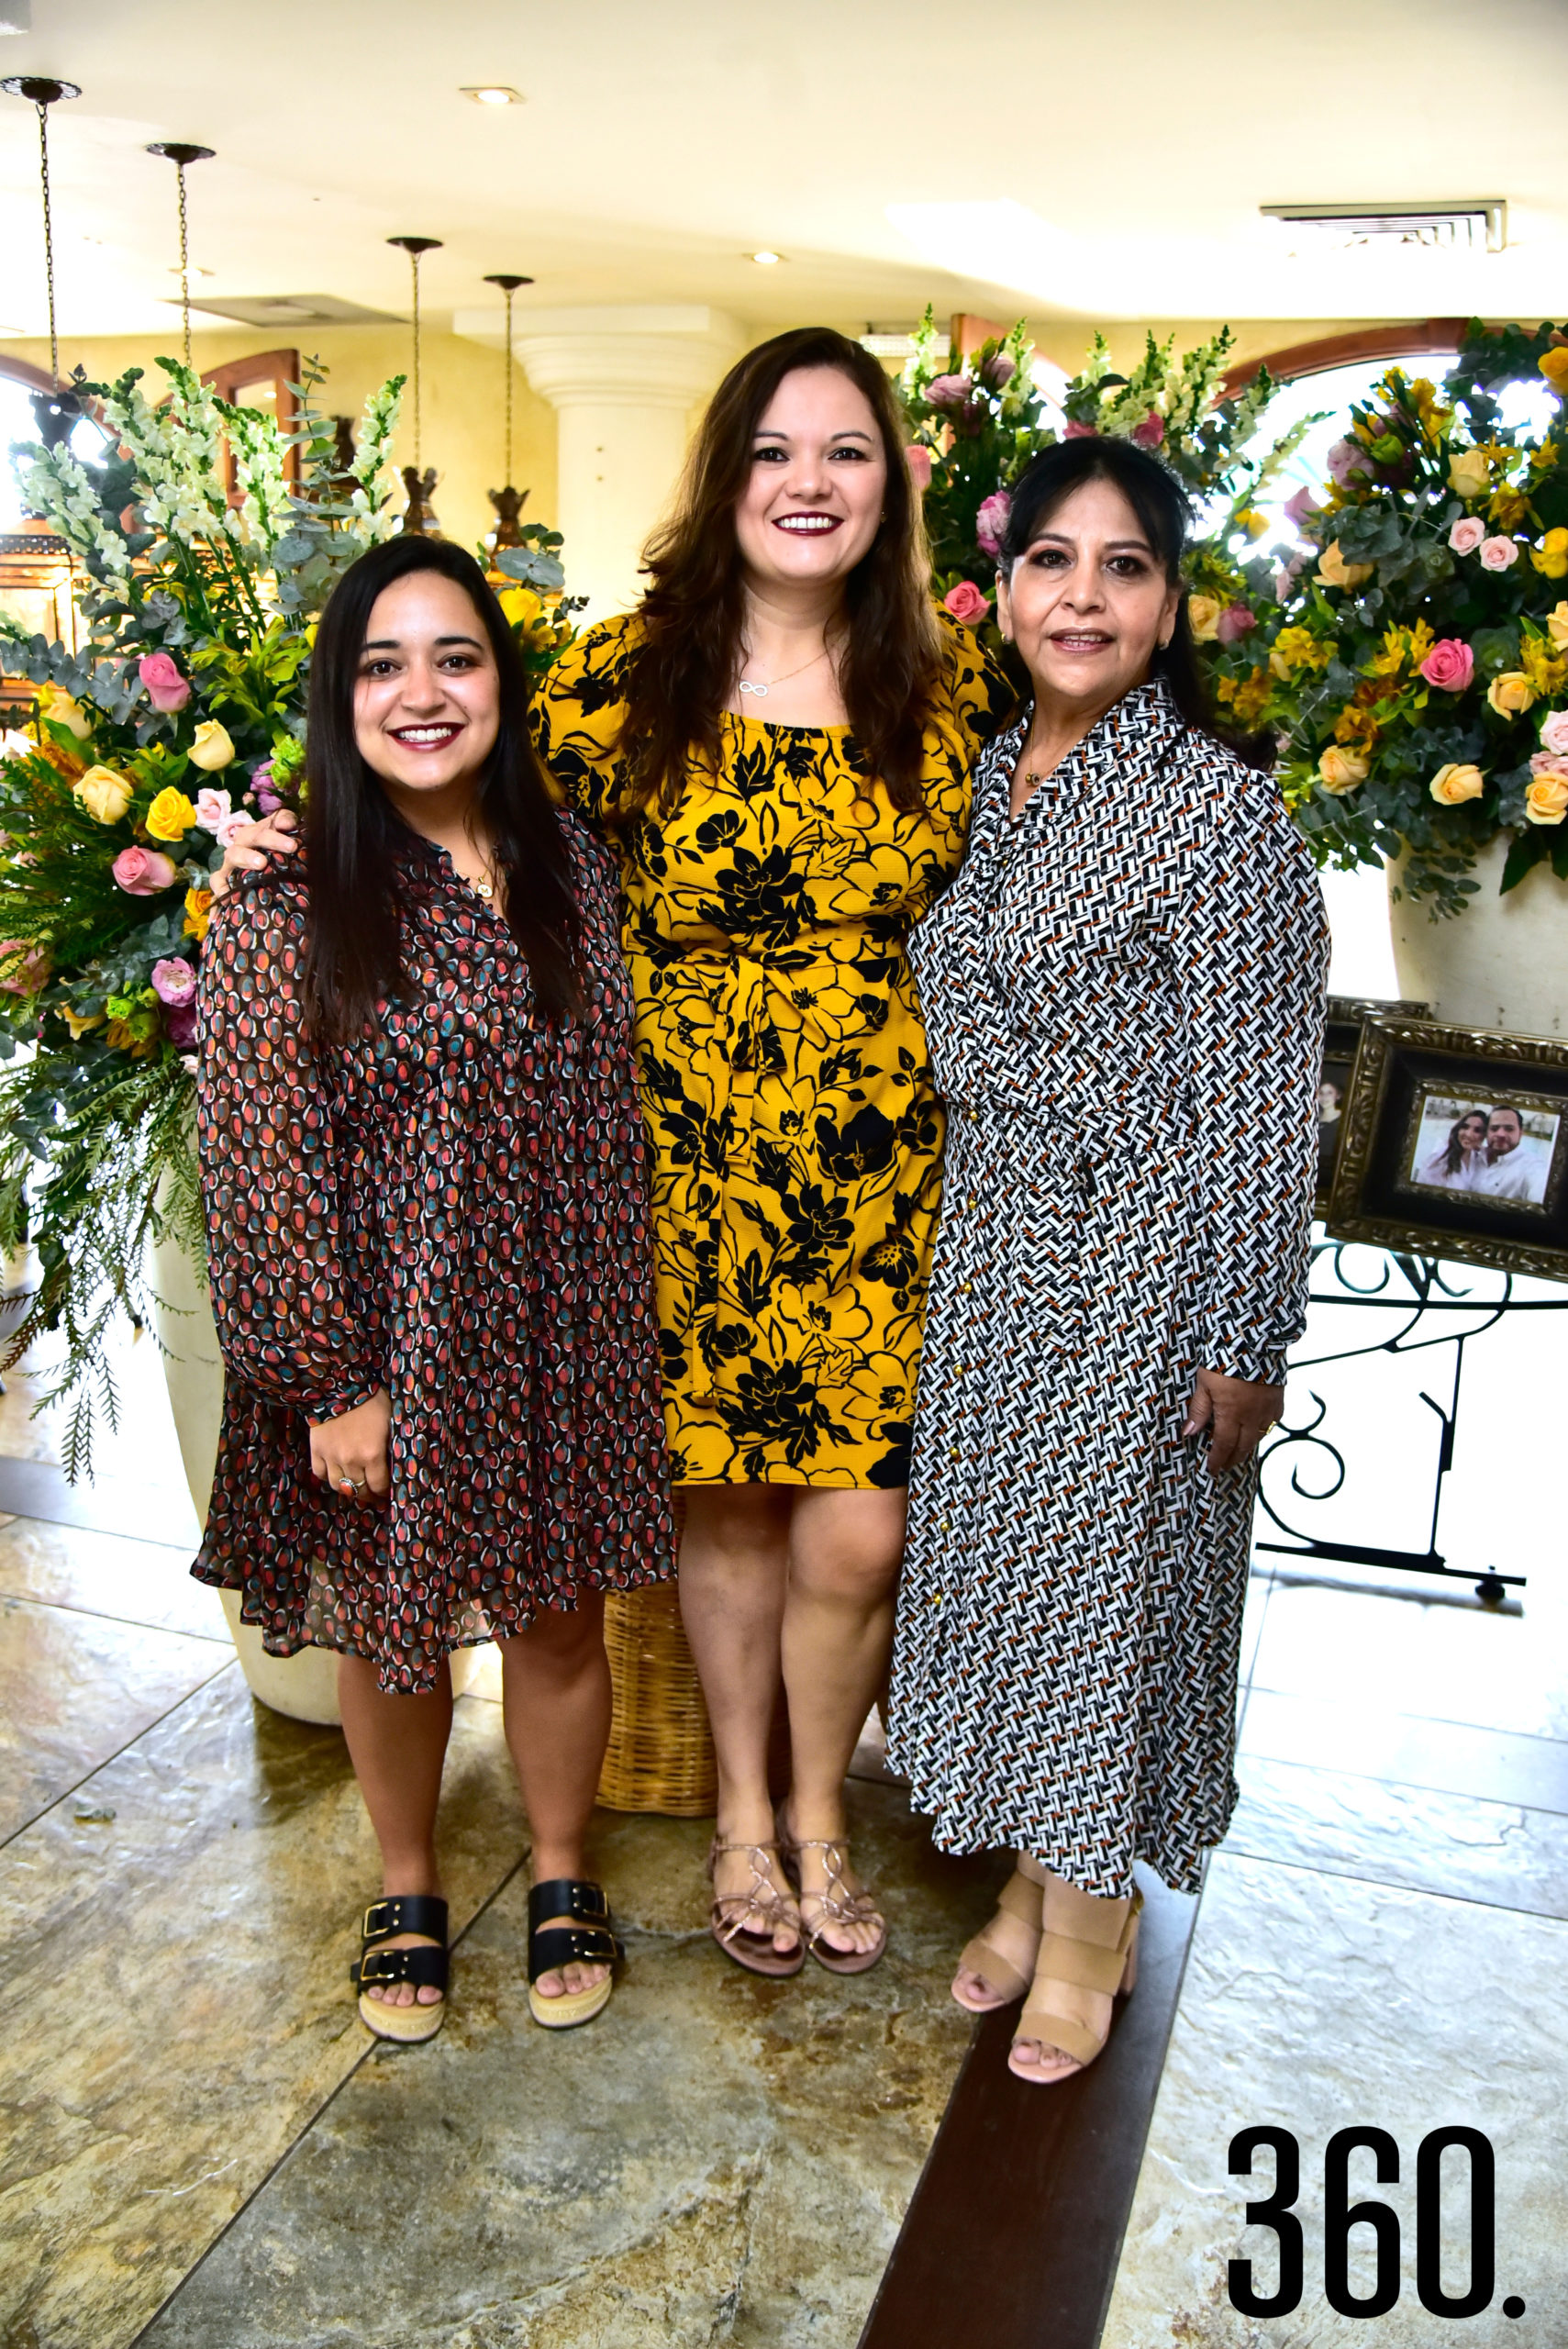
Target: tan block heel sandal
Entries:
(587, 1940)
(1065, 1958)
(1021, 1898)
(426, 1968)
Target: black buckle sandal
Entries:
(552, 1946)
(427, 1969)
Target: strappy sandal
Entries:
(1021, 1898)
(426, 1968)
(727, 1918)
(552, 1946)
(837, 1905)
(1064, 1958)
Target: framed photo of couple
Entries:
(1452, 1141)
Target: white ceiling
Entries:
(1098, 161)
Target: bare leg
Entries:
(845, 1550)
(397, 1746)
(734, 1569)
(555, 1687)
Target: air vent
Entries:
(290, 310)
(1479, 226)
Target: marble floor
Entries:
(201, 2145)
(1383, 1941)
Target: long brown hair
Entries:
(681, 667)
(354, 837)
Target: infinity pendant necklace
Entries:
(750, 685)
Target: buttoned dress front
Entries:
(1124, 992)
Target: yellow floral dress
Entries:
(797, 1137)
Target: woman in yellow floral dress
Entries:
(778, 742)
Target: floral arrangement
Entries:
(1414, 660)
(977, 420)
(182, 718)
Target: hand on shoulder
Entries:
(254, 847)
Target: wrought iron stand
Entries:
(1420, 1291)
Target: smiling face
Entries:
(1470, 1131)
(810, 510)
(427, 696)
(1087, 602)
(1504, 1131)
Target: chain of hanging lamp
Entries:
(414, 247)
(508, 285)
(44, 95)
(180, 152)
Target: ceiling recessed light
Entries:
(491, 93)
(767, 260)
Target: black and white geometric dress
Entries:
(1123, 992)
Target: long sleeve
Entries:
(577, 716)
(288, 1321)
(1251, 963)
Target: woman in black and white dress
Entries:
(1123, 990)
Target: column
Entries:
(623, 381)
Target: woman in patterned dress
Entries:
(1124, 993)
(777, 745)
(426, 1185)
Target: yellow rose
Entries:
(1452, 785)
(198, 912)
(1469, 473)
(1332, 567)
(1253, 523)
(1511, 693)
(105, 795)
(212, 748)
(62, 709)
(79, 1022)
(522, 606)
(170, 816)
(1557, 626)
(1203, 616)
(1339, 770)
(1553, 365)
(1546, 801)
(1551, 557)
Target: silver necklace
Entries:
(746, 685)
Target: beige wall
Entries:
(461, 400)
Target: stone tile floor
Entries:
(201, 2147)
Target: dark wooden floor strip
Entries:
(1013, 2236)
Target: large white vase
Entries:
(1501, 964)
(303, 1685)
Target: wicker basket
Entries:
(661, 1750)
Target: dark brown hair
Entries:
(355, 841)
(1162, 506)
(682, 668)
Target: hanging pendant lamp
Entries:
(509, 502)
(179, 153)
(55, 410)
(419, 514)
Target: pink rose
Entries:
(966, 602)
(180, 1023)
(212, 806)
(142, 872)
(1298, 507)
(1347, 457)
(1554, 733)
(174, 980)
(1499, 554)
(230, 827)
(1467, 534)
(915, 456)
(1450, 664)
(1287, 573)
(1150, 432)
(1235, 621)
(1081, 432)
(1550, 762)
(166, 689)
(991, 522)
(27, 977)
(949, 390)
(999, 369)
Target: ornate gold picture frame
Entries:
(1455, 1144)
(1347, 1014)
